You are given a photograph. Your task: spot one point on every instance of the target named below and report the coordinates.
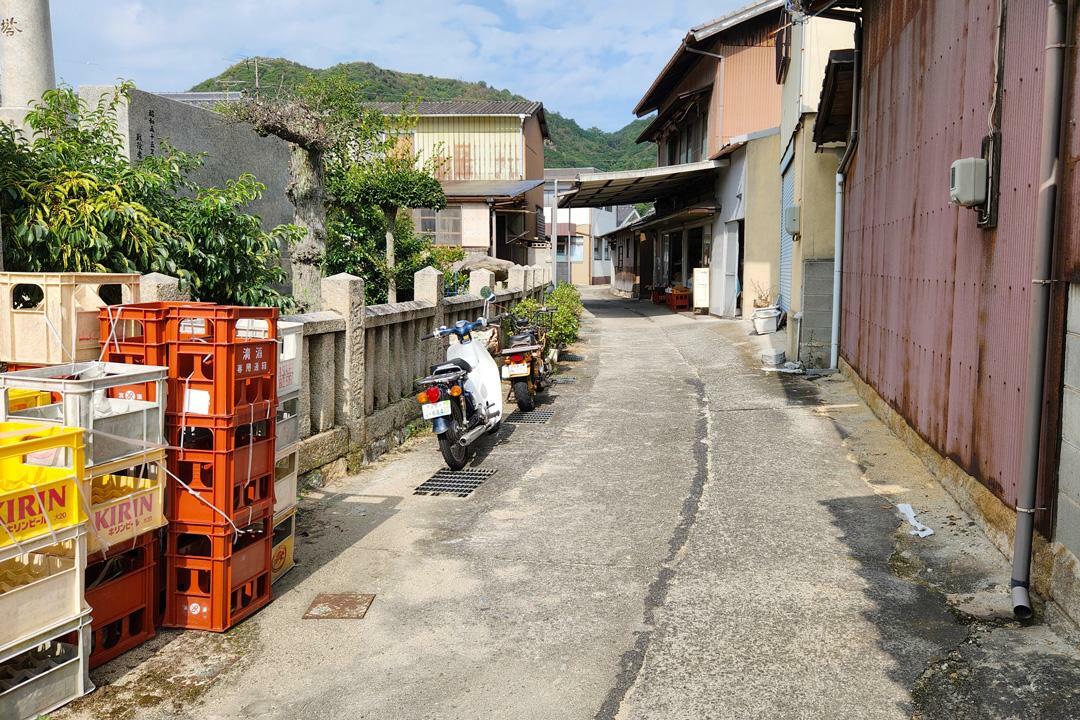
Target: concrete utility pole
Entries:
(26, 60)
(26, 55)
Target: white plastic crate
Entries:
(49, 318)
(47, 675)
(287, 428)
(41, 590)
(116, 427)
(290, 356)
(285, 481)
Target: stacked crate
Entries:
(287, 445)
(124, 486)
(52, 318)
(219, 427)
(45, 632)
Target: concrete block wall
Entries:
(817, 282)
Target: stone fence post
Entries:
(156, 287)
(479, 279)
(344, 294)
(428, 287)
(516, 278)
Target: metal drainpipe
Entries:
(1056, 24)
(838, 219)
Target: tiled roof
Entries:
(465, 107)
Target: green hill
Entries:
(571, 145)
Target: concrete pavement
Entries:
(688, 538)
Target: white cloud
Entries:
(585, 59)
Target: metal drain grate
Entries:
(533, 417)
(459, 483)
(565, 380)
(570, 357)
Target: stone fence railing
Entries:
(361, 362)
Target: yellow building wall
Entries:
(581, 272)
(474, 147)
(761, 228)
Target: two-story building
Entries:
(807, 186)
(715, 189)
(492, 173)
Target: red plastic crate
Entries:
(138, 333)
(222, 358)
(227, 462)
(121, 592)
(222, 379)
(221, 324)
(214, 577)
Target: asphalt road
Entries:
(688, 537)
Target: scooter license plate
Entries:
(516, 369)
(434, 410)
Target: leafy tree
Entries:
(348, 159)
(72, 202)
(389, 184)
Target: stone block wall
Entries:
(360, 362)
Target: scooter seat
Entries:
(451, 366)
(525, 338)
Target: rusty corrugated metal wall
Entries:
(476, 147)
(935, 310)
(749, 72)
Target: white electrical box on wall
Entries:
(792, 219)
(968, 180)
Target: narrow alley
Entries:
(658, 552)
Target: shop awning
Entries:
(484, 190)
(626, 187)
(834, 106)
(680, 217)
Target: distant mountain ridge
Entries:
(571, 145)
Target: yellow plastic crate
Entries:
(20, 399)
(127, 499)
(284, 542)
(41, 480)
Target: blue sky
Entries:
(588, 60)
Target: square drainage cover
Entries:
(533, 417)
(459, 483)
(565, 379)
(339, 606)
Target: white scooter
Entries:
(462, 396)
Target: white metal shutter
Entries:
(787, 195)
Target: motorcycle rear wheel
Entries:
(524, 397)
(456, 455)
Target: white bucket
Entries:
(766, 320)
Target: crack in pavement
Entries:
(633, 659)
